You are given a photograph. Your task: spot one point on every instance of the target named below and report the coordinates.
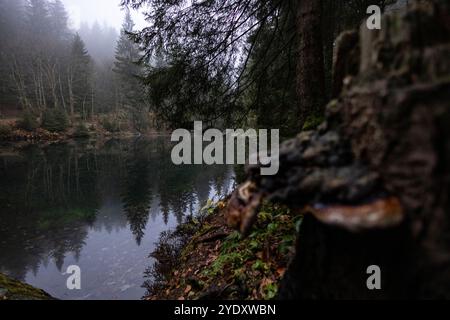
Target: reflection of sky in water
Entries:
(106, 248)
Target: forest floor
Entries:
(204, 259)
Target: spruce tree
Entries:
(38, 21)
(59, 20)
(80, 78)
(127, 67)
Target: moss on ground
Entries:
(11, 289)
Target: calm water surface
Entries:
(101, 206)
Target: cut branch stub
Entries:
(242, 209)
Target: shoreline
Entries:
(21, 141)
(12, 133)
(44, 136)
(205, 259)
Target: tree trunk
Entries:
(310, 70)
(399, 130)
(92, 101)
(71, 95)
(373, 182)
(20, 84)
(52, 82)
(61, 92)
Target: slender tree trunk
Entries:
(71, 96)
(20, 85)
(310, 72)
(40, 83)
(85, 112)
(92, 101)
(61, 92)
(36, 91)
(52, 82)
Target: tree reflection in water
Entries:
(53, 197)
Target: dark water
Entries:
(101, 206)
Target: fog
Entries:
(99, 23)
(67, 56)
(102, 11)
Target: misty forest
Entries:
(359, 92)
(51, 80)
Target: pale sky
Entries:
(103, 11)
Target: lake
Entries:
(98, 205)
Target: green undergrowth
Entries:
(262, 256)
(204, 259)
